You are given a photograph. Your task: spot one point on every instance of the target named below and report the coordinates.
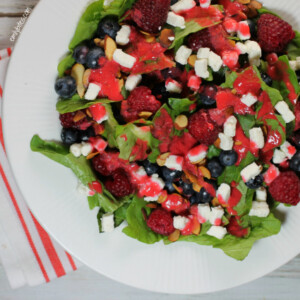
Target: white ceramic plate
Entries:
(50, 189)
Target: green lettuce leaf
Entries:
(132, 133)
(65, 64)
(179, 105)
(293, 48)
(75, 103)
(81, 168)
(213, 151)
(137, 227)
(245, 203)
(237, 248)
(230, 79)
(265, 10)
(247, 122)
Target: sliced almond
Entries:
(110, 47)
(161, 159)
(202, 162)
(92, 155)
(88, 112)
(79, 116)
(162, 198)
(196, 230)
(215, 202)
(265, 130)
(192, 178)
(251, 12)
(217, 143)
(181, 122)
(121, 83)
(99, 42)
(192, 59)
(174, 236)
(86, 76)
(150, 38)
(238, 143)
(145, 114)
(178, 189)
(234, 91)
(204, 172)
(151, 205)
(244, 1)
(77, 73)
(196, 187)
(255, 4)
(165, 36)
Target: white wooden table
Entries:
(282, 284)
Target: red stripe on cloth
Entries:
(31, 243)
(71, 261)
(1, 135)
(48, 245)
(9, 51)
(1, 91)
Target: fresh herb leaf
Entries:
(245, 203)
(65, 64)
(247, 122)
(293, 48)
(265, 10)
(230, 79)
(213, 151)
(179, 105)
(232, 173)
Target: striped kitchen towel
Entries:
(28, 254)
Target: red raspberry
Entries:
(140, 99)
(203, 128)
(120, 186)
(151, 15)
(273, 33)
(107, 163)
(66, 121)
(200, 39)
(161, 221)
(286, 188)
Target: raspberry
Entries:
(140, 99)
(161, 221)
(120, 185)
(106, 163)
(151, 15)
(200, 39)
(67, 121)
(203, 128)
(286, 188)
(273, 33)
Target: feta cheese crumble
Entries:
(285, 111)
(250, 172)
(226, 142)
(223, 193)
(217, 231)
(124, 59)
(123, 34)
(183, 5)
(175, 20)
(92, 92)
(179, 222)
(132, 82)
(257, 137)
(107, 222)
(182, 55)
(230, 126)
(259, 209)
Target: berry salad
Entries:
(180, 119)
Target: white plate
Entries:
(49, 188)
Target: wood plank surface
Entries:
(283, 284)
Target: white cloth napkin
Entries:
(29, 255)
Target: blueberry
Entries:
(160, 92)
(256, 182)
(243, 60)
(187, 188)
(295, 162)
(204, 196)
(169, 187)
(92, 58)
(86, 134)
(228, 158)
(215, 168)
(267, 79)
(149, 167)
(108, 26)
(80, 53)
(70, 136)
(208, 95)
(252, 27)
(170, 175)
(65, 87)
(296, 139)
